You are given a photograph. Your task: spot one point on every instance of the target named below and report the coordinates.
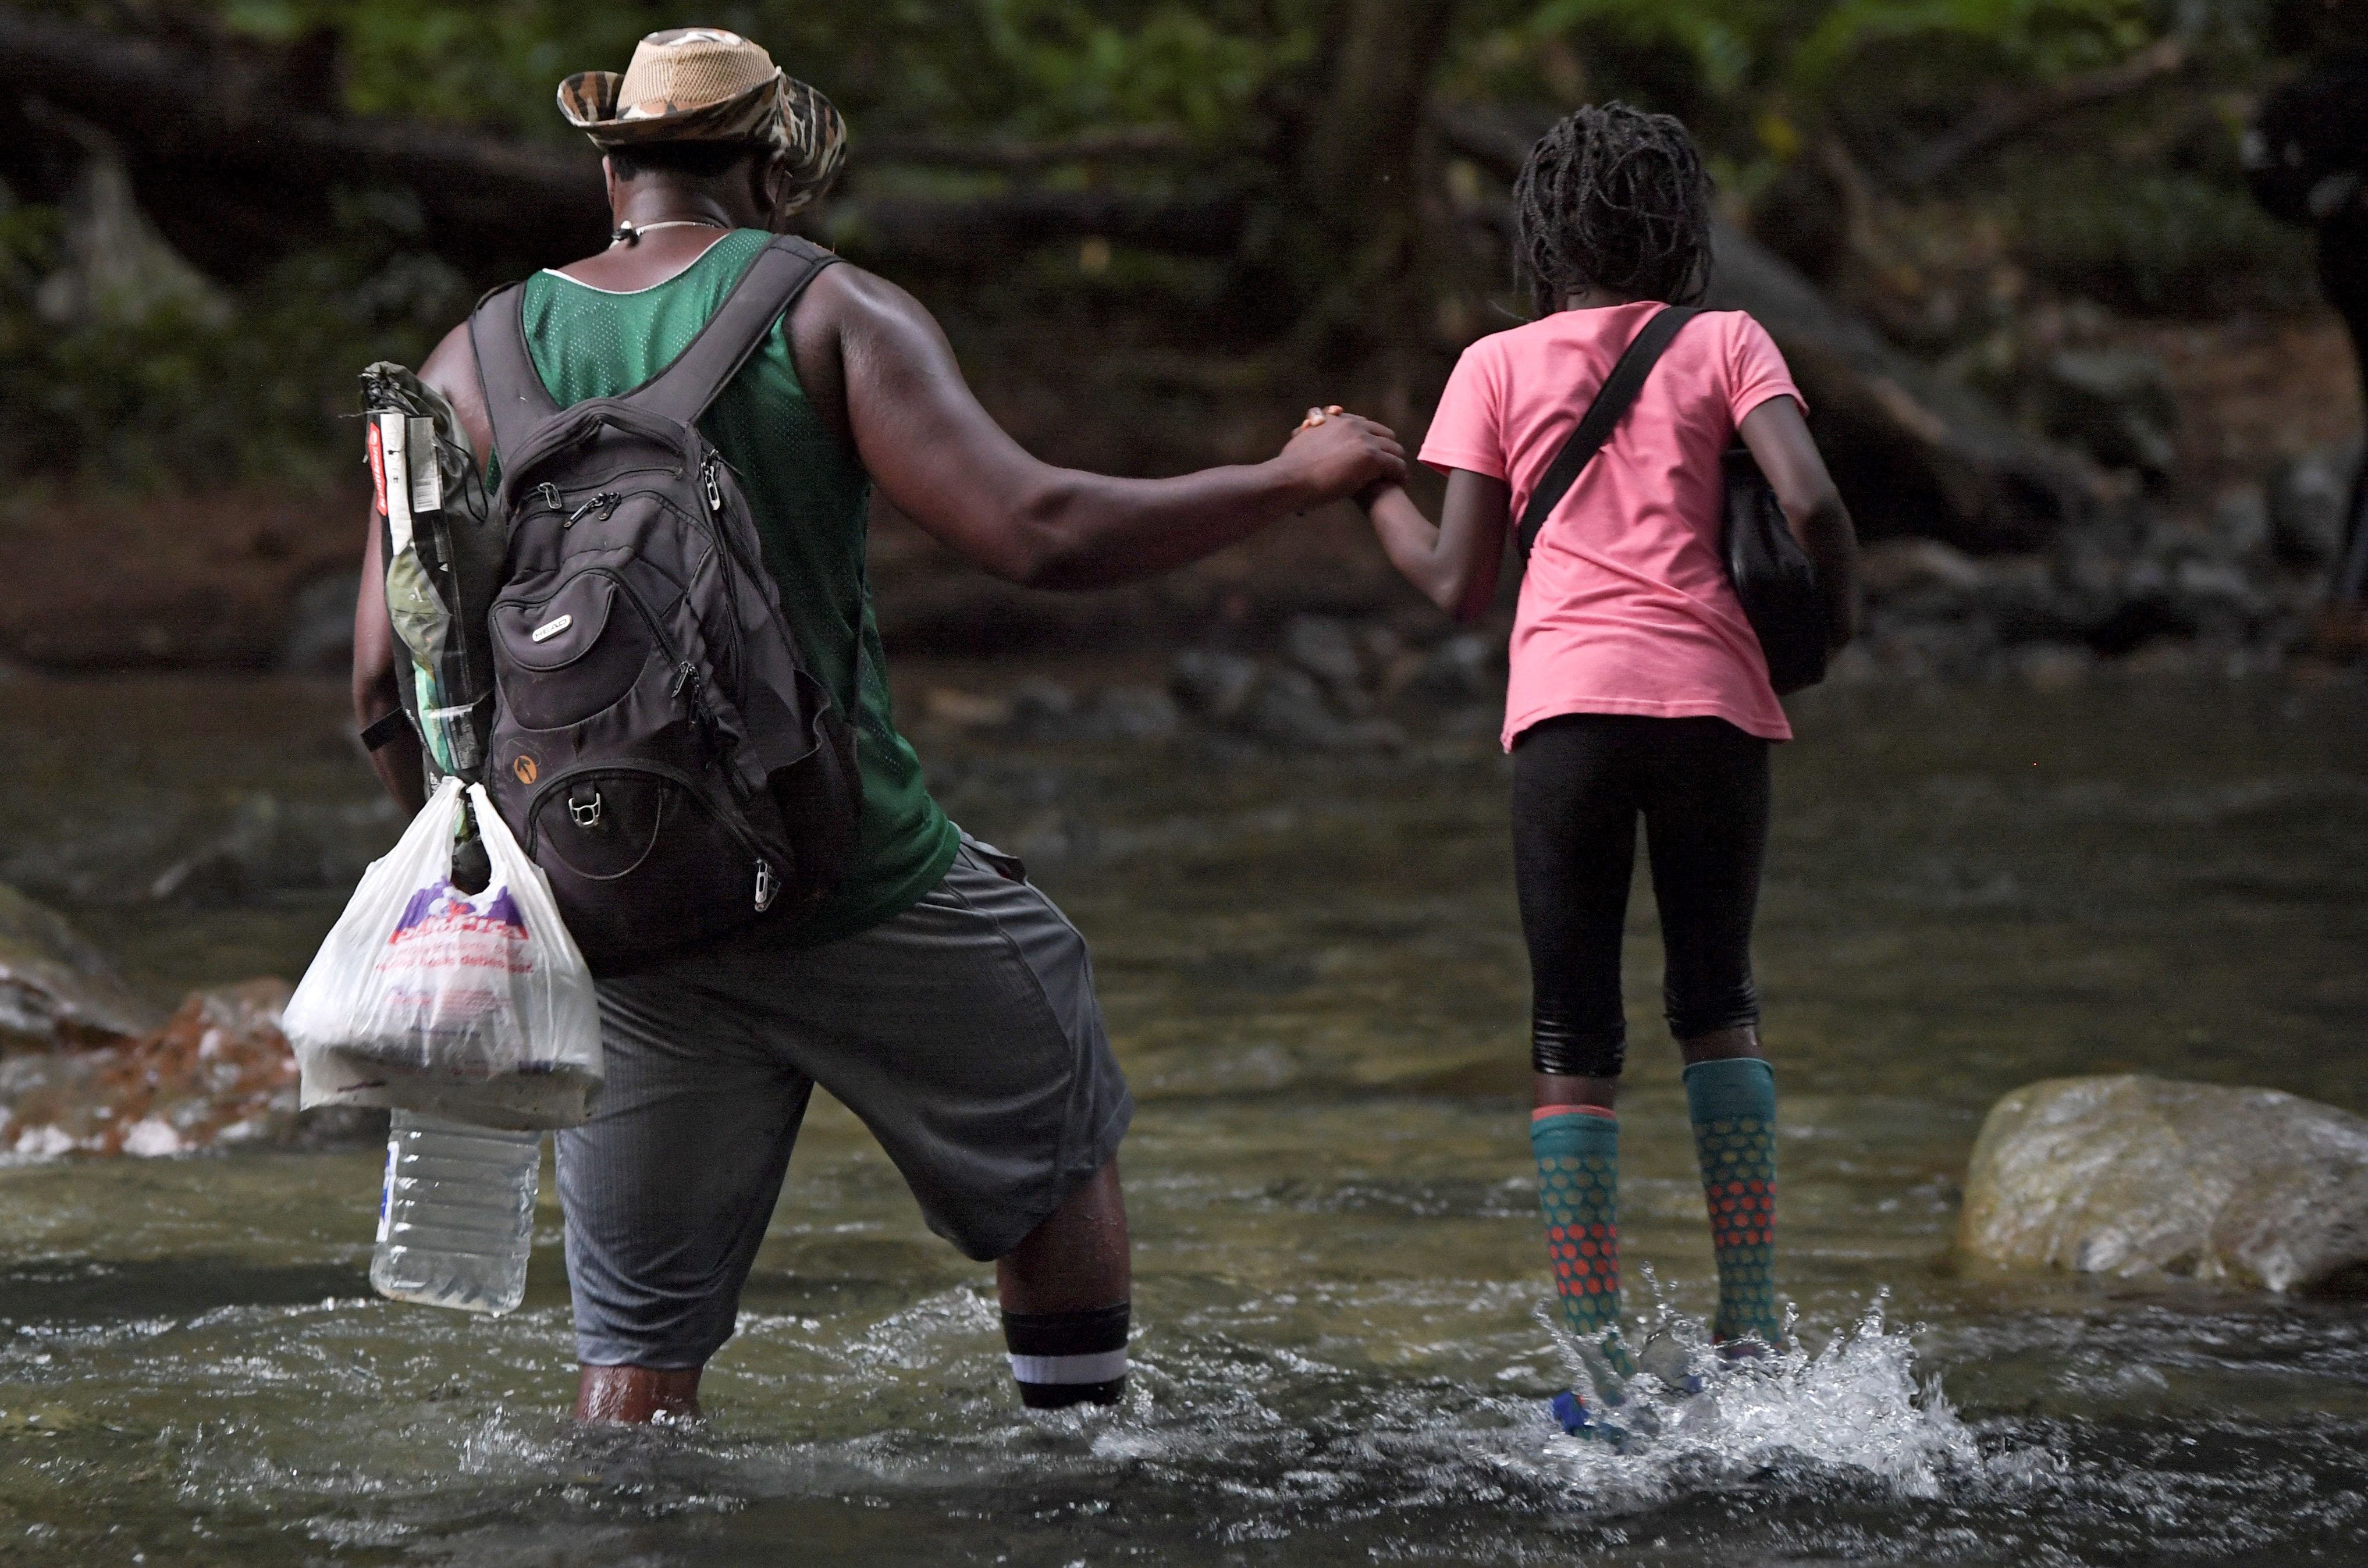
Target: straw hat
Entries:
(707, 85)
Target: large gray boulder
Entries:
(56, 990)
(2133, 1175)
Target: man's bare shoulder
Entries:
(452, 370)
(855, 330)
(850, 299)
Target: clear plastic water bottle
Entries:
(456, 1220)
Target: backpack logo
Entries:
(525, 769)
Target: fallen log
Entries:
(1121, 144)
(2001, 122)
(236, 175)
(952, 231)
(1914, 452)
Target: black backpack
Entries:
(1773, 576)
(659, 745)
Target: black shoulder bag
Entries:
(1772, 574)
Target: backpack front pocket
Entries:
(572, 654)
(642, 860)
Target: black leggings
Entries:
(1580, 781)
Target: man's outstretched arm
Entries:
(945, 463)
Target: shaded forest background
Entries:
(1154, 231)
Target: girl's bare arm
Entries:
(1779, 438)
(1454, 563)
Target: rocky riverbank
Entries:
(85, 1066)
(2203, 469)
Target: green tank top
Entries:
(810, 496)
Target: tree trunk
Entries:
(1359, 171)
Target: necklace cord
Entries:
(627, 232)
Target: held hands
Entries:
(1341, 454)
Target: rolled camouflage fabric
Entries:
(706, 84)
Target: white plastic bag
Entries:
(425, 998)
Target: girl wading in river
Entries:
(1638, 687)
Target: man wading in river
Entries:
(936, 993)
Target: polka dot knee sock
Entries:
(1578, 1187)
(1733, 1106)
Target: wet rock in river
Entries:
(965, 709)
(219, 1073)
(1042, 710)
(2116, 404)
(2241, 528)
(1289, 710)
(1282, 705)
(274, 845)
(1468, 667)
(56, 990)
(2306, 499)
(1131, 713)
(2133, 1175)
(1212, 684)
(1324, 648)
(1045, 711)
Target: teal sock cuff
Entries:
(1729, 1089)
(1578, 1132)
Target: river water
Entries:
(1312, 972)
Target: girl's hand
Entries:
(1341, 455)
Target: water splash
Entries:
(1855, 1405)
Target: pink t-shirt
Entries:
(1626, 606)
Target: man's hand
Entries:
(1336, 455)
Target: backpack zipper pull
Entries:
(606, 500)
(549, 494)
(685, 674)
(715, 491)
(766, 886)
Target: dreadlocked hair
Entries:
(1614, 198)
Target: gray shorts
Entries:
(964, 1032)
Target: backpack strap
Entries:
(733, 334)
(1602, 416)
(516, 399)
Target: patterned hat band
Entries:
(699, 84)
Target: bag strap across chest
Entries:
(517, 401)
(1611, 403)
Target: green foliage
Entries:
(1748, 60)
(1016, 66)
(1200, 67)
(254, 384)
(193, 390)
(2157, 242)
(2035, 41)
